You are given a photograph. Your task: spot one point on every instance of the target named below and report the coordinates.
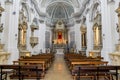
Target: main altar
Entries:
(60, 35)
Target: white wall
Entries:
(77, 37)
(71, 29)
(108, 28)
(89, 26)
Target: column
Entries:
(108, 16)
(11, 29)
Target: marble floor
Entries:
(58, 70)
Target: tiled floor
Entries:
(59, 70)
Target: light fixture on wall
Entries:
(118, 25)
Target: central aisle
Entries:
(58, 70)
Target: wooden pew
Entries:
(48, 60)
(46, 63)
(78, 59)
(40, 63)
(21, 72)
(49, 56)
(87, 63)
(96, 71)
(43, 60)
(74, 60)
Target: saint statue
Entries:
(118, 30)
(118, 25)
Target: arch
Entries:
(74, 3)
(57, 3)
(26, 8)
(41, 14)
(94, 9)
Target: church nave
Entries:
(53, 36)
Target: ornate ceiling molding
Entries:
(74, 3)
(67, 9)
(95, 10)
(59, 10)
(40, 13)
(110, 1)
(77, 15)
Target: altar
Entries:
(60, 35)
(59, 51)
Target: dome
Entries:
(60, 10)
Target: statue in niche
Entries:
(22, 31)
(95, 30)
(83, 36)
(118, 25)
(118, 30)
(22, 34)
(1, 24)
(97, 37)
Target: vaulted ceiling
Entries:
(75, 3)
(60, 9)
(51, 11)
